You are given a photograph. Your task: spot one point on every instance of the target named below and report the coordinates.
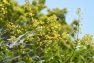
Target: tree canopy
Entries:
(27, 35)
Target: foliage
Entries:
(29, 36)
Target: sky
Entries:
(87, 11)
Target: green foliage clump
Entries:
(29, 36)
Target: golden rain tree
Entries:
(27, 35)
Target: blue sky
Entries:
(87, 10)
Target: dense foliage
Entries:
(29, 36)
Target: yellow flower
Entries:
(19, 31)
(65, 35)
(35, 23)
(5, 1)
(11, 26)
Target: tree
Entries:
(29, 36)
